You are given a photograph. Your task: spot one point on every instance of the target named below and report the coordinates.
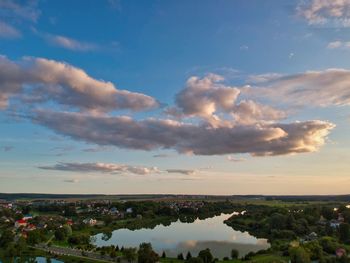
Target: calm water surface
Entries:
(181, 237)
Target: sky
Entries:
(182, 97)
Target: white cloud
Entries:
(235, 159)
(334, 13)
(330, 87)
(25, 10)
(8, 31)
(213, 118)
(39, 80)
(70, 43)
(102, 168)
(152, 134)
(339, 45)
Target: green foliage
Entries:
(180, 256)
(130, 254)
(234, 253)
(299, 255)
(206, 255)
(344, 232)
(194, 260)
(188, 255)
(146, 254)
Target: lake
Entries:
(181, 237)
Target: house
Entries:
(70, 222)
(114, 211)
(129, 210)
(334, 223)
(340, 252)
(90, 221)
(30, 227)
(20, 223)
(27, 217)
(41, 226)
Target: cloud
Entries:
(110, 168)
(263, 77)
(162, 155)
(73, 181)
(152, 134)
(70, 43)
(39, 80)
(218, 104)
(330, 87)
(24, 10)
(213, 118)
(203, 97)
(8, 31)
(325, 12)
(339, 45)
(248, 112)
(181, 171)
(234, 159)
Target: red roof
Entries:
(21, 221)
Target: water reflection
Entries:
(181, 237)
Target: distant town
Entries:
(65, 229)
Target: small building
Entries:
(20, 223)
(340, 252)
(129, 210)
(27, 217)
(334, 223)
(90, 221)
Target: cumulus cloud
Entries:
(325, 12)
(218, 104)
(248, 112)
(110, 168)
(330, 87)
(203, 97)
(181, 171)
(151, 134)
(8, 31)
(226, 118)
(38, 80)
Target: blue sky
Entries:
(210, 97)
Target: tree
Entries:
(234, 253)
(60, 234)
(344, 232)
(180, 256)
(113, 254)
(35, 237)
(6, 238)
(299, 255)
(194, 260)
(146, 254)
(189, 255)
(130, 254)
(163, 255)
(67, 230)
(206, 255)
